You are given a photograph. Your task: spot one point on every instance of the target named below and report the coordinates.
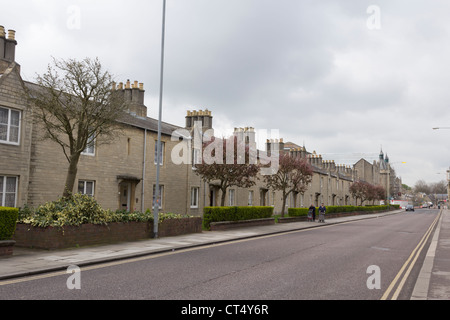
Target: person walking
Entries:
(312, 210)
(322, 211)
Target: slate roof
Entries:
(130, 119)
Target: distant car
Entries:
(409, 207)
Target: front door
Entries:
(212, 197)
(125, 196)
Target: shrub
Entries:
(216, 214)
(298, 212)
(8, 219)
(80, 209)
(75, 210)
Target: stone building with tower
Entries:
(122, 174)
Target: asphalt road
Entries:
(332, 262)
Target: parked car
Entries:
(409, 207)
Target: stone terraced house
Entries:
(122, 175)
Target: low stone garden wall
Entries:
(226, 225)
(6, 248)
(328, 216)
(93, 234)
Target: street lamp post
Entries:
(158, 149)
(448, 171)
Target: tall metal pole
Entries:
(158, 165)
(448, 187)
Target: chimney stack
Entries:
(205, 117)
(7, 45)
(133, 95)
(7, 48)
(2, 42)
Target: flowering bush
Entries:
(79, 209)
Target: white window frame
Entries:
(231, 197)
(90, 147)
(162, 152)
(3, 192)
(85, 183)
(250, 197)
(9, 125)
(194, 197)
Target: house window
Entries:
(90, 147)
(161, 158)
(8, 191)
(160, 198)
(86, 187)
(9, 126)
(250, 198)
(194, 197)
(231, 198)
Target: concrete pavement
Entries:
(433, 283)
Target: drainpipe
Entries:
(143, 172)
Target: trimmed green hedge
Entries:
(297, 212)
(8, 219)
(216, 214)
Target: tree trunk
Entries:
(284, 205)
(222, 199)
(71, 175)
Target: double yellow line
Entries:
(410, 262)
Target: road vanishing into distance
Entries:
(368, 259)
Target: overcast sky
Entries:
(345, 78)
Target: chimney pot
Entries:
(2, 31)
(11, 34)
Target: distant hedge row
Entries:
(296, 212)
(235, 213)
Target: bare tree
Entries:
(78, 108)
(438, 187)
(422, 186)
(359, 190)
